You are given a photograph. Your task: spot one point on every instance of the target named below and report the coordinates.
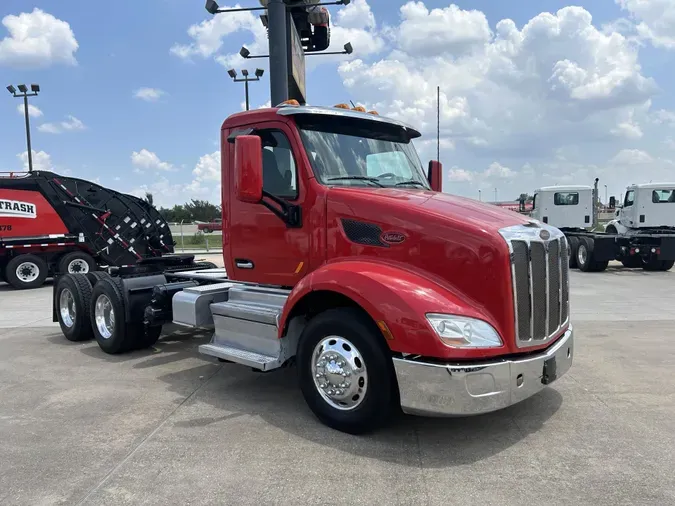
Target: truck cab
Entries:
(564, 207)
(647, 206)
(344, 257)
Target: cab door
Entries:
(262, 247)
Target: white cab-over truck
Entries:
(641, 235)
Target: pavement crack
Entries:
(148, 436)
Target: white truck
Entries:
(641, 235)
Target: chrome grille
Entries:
(539, 270)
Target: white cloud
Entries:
(208, 168)
(498, 171)
(149, 94)
(36, 40)
(458, 175)
(558, 79)
(655, 20)
(147, 160)
(426, 32)
(33, 111)
(41, 160)
(631, 157)
(72, 124)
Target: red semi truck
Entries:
(344, 257)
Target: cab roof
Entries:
(654, 186)
(268, 114)
(566, 188)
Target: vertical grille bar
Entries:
(521, 284)
(539, 297)
(564, 282)
(553, 286)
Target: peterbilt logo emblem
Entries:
(545, 235)
(16, 209)
(393, 237)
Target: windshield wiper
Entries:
(412, 181)
(357, 178)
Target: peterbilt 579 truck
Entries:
(641, 235)
(343, 257)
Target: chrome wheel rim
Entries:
(104, 316)
(78, 266)
(67, 308)
(339, 373)
(27, 272)
(582, 255)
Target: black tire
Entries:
(207, 230)
(654, 265)
(149, 338)
(20, 266)
(75, 323)
(95, 276)
(585, 254)
(381, 393)
(83, 263)
(574, 244)
(122, 336)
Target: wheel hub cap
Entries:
(104, 316)
(582, 255)
(78, 266)
(339, 373)
(27, 272)
(67, 308)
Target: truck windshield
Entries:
(357, 153)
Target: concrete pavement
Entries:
(166, 426)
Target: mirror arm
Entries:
(290, 214)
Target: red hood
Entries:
(452, 240)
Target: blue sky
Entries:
(549, 99)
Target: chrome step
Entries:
(246, 328)
(244, 357)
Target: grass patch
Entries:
(199, 241)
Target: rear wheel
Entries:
(586, 259)
(657, 265)
(77, 262)
(345, 371)
(95, 276)
(107, 312)
(26, 271)
(148, 338)
(574, 245)
(73, 299)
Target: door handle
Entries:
(243, 264)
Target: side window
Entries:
(280, 173)
(566, 199)
(630, 198)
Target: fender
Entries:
(620, 228)
(398, 297)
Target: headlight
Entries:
(464, 332)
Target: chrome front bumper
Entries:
(466, 389)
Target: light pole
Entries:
(23, 92)
(495, 194)
(277, 17)
(606, 201)
(480, 198)
(258, 74)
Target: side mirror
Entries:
(435, 175)
(248, 180)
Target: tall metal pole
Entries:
(480, 198)
(495, 194)
(278, 42)
(30, 151)
(438, 123)
(246, 85)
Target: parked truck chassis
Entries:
(652, 250)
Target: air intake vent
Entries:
(363, 233)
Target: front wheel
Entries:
(345, 371)
(73, 302)
(26, 271)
